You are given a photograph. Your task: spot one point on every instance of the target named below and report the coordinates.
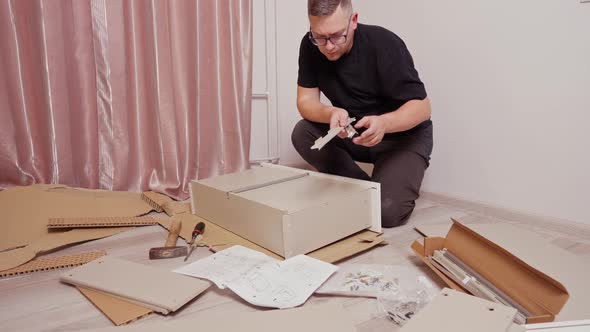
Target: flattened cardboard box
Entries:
(537, 292)
(286, 210)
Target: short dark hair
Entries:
(326, 7)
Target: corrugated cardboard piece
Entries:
(539, 293)
(16, 257)
(52, 263)
(218, 239)
(27, 209)
(118, 311)
(458, 312)
(286, 210)
(160, 290)
(320, 317)
(161, 202)
(100, 222)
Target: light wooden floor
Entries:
(39, 302)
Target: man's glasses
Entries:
(335, 40)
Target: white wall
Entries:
(264, 132)
(292, 23)
(510, 87)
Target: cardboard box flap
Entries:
(530, 287)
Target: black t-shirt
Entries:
(377, 75)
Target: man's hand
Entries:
(375, 130)
(339, 118)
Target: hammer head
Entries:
(167, 252)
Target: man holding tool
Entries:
(367, 73)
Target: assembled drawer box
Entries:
(285, 210)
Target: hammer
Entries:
(170, 250)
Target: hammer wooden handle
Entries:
(173, 234)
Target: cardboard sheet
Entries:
(52, 263)
(118, 311)
(35, 204)
(458, 312)
(218, 238)
(321, 317)
(155, 200)
(157, 289)
(26, 211)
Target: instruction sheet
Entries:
(260, 279)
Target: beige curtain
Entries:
(124, 95)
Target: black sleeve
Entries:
(399, 78)
(307, 76)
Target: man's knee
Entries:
(304, 135)
(395, 214)
(298, 135)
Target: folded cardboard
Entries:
(318, 317)
(540, 294)
(117, 310)
(25, 212)
(285, 210)
(458, 312)
(153, 288)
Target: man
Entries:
(367, 73)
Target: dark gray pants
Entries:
(399, 164)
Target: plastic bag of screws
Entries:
(401, 305)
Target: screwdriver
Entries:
(197, 237)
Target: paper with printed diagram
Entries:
(260, 279)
